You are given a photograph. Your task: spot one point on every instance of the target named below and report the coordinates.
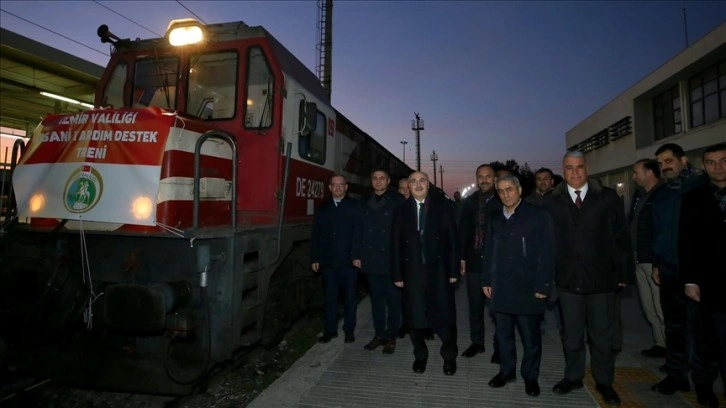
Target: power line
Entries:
(56, 33)
(193, 13)
(126, 18)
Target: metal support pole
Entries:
(417, 126)
(404, 143)
(441, 172)
(434, 157)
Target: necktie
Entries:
(578, 200)
(420, 216)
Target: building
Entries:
(683, 102)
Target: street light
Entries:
(404, 143)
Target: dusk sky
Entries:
(491, 80)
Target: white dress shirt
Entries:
(573, 195)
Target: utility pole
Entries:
(417, 126)
(324, 66)
(441, 172)
(434, 157)
(404, 143)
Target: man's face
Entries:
(485, 179)
(419, 184)
(575, 171)
(670, 165)
(508, 193)
(380, 181)
(640, 174)
(403, 188)
(714, 163)
(543, 181)
(338, 187)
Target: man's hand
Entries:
(356, 263)
(487, 291)
(398, 284)
(315, 266)
(462, 267)
(539, 295)
(655, 275)
(452, 280)
(693, 291)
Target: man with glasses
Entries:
(425, 265)
(334, 247)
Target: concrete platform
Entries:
(347, 376)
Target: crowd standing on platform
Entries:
(567, 246)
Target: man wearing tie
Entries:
(425, 264)
(594, 259)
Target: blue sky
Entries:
(491, 80)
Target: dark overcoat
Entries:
(428, 297)
(701, 245)
(376, 223)
(467, 227)
(593, 249)
(519, 259)
(335, 239)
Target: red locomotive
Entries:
(151, 229)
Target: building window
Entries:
(708, 95)
(667, 114)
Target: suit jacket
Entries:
(425, 262)
(593, 249)
(335, 239)
(519, 259)
(701, 245)
(376, 222)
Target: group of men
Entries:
(570, 243)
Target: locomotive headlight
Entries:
(184, 32)
(37, 203)
(141, 207)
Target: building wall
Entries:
(628, 129)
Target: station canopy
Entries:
(28, 68)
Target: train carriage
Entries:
(150, 230)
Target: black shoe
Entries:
(449, 367)
(402, 332)
(531, 387)
(419, 366)
(608, 394)
(655, 352)
(500, 380)
(566, 386)
(325, 338)
(670, 385)
(495, 358)
(349, 337)
(373, 344)
(473, 350)
(389, 347)
(706, 396)
(428, 334)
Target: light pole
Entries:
(404, 143)
(434, 157)
(417, 126)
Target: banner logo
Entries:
(83, 190)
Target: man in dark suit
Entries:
(594, 258)
(701, 244)
(377, 217)
(473, 219)
(425, 264)
(334, 252)
(518, 275)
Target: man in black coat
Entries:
(376, 219)
(472, 238)
(518, 275)
(594, 258)
(425, 264)
(334, 252)
(701, 245)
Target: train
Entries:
(148, 233)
